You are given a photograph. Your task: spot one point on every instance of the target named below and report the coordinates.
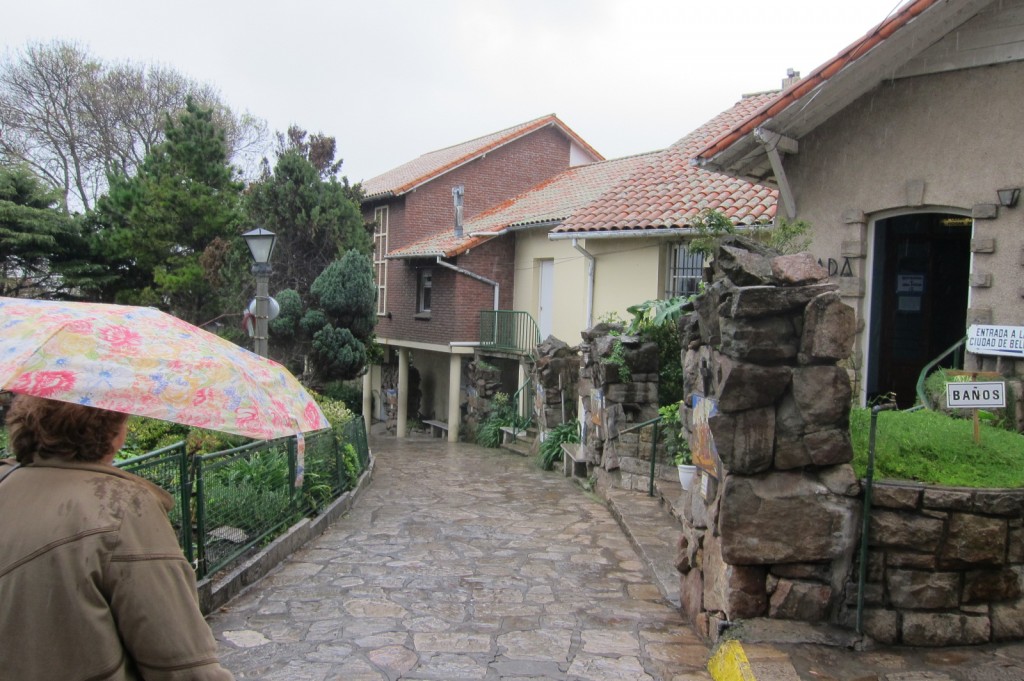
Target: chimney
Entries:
(457, 193)
(791, 77)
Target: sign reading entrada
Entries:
(985, 339)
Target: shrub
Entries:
(503, 415)
(551, 447)
(677, 447)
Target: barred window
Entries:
(684, 271)
(380, 249)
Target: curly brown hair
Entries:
(49, 429)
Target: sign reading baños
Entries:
(979, 395)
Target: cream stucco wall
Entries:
(629, 271)
(939, 143)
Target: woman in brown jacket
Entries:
(93, 584)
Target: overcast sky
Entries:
(393, 79)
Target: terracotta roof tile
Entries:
(409, 175)
(547, 203)
(670, 192)
(815, 79)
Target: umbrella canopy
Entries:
(141, 361)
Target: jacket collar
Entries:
(165, 499)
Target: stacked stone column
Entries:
(772, 528)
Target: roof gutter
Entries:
(472, 275)
(590, 281)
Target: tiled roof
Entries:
(815, 79)
(407, 176)
(547, 203)
(670, 191)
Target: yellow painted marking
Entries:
(729, 663)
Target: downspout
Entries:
(590, 280)
(472, 275)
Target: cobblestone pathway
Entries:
(461, 563)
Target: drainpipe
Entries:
(590, 280)
(472, 275)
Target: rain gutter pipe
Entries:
(472, 275)
(623, 234)
(590, 280)
(866, 524)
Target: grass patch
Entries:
(930, 447)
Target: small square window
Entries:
(424, 288)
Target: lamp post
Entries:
(261, 245)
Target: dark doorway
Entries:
(919, 300)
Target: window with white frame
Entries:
(683, 272)
(424, 288)
(380, 249)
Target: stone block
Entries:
(829, 447)
(743, 267)
(851, 287)
(841, 479)
(822, 395)
(909, 559)
(898, 496)
(882, 625)
(829, 329)
(904, 530)
(691, 594)
(742, 385)
(853, 248)
(983, 245)
(1015, 548)
(985, 211)
(989, 586)
(744, 440)
(948, 499)
(974, 540)
(761, 515)
(981, 280)
(803, 601)
(737, 590)
(797, 269)
(790, 452)
(766, 301)
(921, 590)
(632, 393)
(706, 308)
(944, 629)
(767, 340)
(1008, 621)
(1009, 503)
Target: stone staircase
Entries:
(519, 441)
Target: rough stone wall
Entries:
(771, 530)
(555, 375)
(945, 566)
(618, 389)
(481, 382)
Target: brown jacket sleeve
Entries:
(152, 594)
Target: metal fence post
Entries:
(200, 519)
(185, 494)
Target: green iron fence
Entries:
(231, 501)
(509, 330)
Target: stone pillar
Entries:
(368, 399)
(454, 389)
(403, 391)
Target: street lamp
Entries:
(261, 244)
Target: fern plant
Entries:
(551, 447)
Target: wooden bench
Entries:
(437, 428)
(573, 463)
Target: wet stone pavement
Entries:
(459, 562)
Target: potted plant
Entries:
(684, 463)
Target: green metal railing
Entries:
(231, 501)
(957, 360)
(509, 330)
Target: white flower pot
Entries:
(686, 473)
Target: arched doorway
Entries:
(920, 286)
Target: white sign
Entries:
(985, 339)
(979, 395)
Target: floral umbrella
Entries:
(142, 361)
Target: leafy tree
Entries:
(339, 324)
(171, 230)
(42, 250)
(72, 119)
